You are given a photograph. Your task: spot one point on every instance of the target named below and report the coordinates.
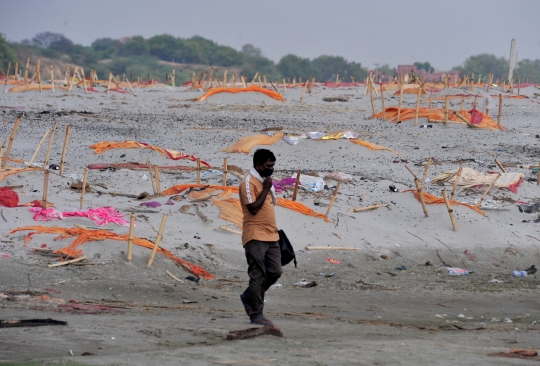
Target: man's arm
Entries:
(256, 206)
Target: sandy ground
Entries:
(366, 313)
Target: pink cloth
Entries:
(100, 216)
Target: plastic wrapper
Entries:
(315, 135)
(339, 176)
(292, 140)
(312, 184)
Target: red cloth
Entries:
(476, 117)
(8, 197)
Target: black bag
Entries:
(287, 250)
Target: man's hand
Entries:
(267, 184)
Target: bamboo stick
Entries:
(26, 70)
(487, 191)
(84, 81)
(254, 78)
(52, 79)
(450, 210)
(223, 227)
(446, 110)
(198, 170)
(67, 262)
(130, 237)
(425, 173)
(174, 277)
(45, 189)
(332, 199)
(225, 79)
(367, 208)
(151, 178)
(39, 81)
(51, 139)
(62, 158)
(400, 102)
(224, 172)
(500, 112)
(419, 190)
(417, 107)
(109, 84)
(265, 81)
(382, 102)
(158, 182)
(133, 91)
(430, 97)
(72, 80)
(462, 103)
(83, 190)
(38, 147)
(284, 88)
(500, 165)
(244, 81)
(158, 239)
(371, 87)
(7, 77)
(11, 139)
(2, 147)
(457, 176)
(296, 182)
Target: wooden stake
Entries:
(371, 87)
(158, 182)
(158, 239)
(39, 81)
(304, 91)
(400, 102)
(296, 185)
(109, 84)
(45, 189)
(450, 211)
(462, 103)
(7, 77)
(332, 199)
(130, 237)
(284, 88)
(425, 173)
(39, 147)
(11, 139)
(85, 177)
(382, 102)
(58, 264)
(457, 176)
(62, 159)
(446, 110)
(26, 70)
(46, 161)
(225, 79)
(487, 191)
(52, 79)
(500, 112)
(430, 97)
(84, 81)
(72, 80)
(417, 107)
(419, 190)
(500, 165)
(244, 81)
(133, 91)
(151, 178)
(367, 208)
(224, 172)
(198, 170)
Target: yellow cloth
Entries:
(245, 144)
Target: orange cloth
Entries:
(83, 235)
(182, 187)
(272, 94)
(7, 171)
(245, 144)
(31, 87)
(431, 199)
(298, 207)
(230, 210)
(261, 226)
(372, 146)
(487, 121)
(103, 146)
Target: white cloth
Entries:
(255, 174)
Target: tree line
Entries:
(139, 56)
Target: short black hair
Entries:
(261, 156)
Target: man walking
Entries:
(260, 235)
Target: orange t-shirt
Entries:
(261, 226)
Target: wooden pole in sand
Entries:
(39, 81)
(500, 165)
(225, 79)
(26, 70)
(84, 81)
(450, 211)
(244, 81)
(72, 80)
(500, 112)
(46, 161)
(304, 91)
(130, 236)
(11, 139)
(458, 174)
(462, 103)
(198, 170)
(85, 177)
(62, 158)
(430, 97)
(400, 102)
(446, 110)
(382, 102)
(151, 179)
(417, 107)
(224, 172)
(158, 182)
(158, 239)
(332, 199)
(265, 81)
(284, 88)
(296, 182)
(425, 173)
(52, 79)
(45, 189)
(39, 147)
(109, 84)
(487, 191)
(133, 91)
(7, 77)
(419, 190)
(371, 87)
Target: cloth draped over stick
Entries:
(103, 146)
(245, 144)
(470, 178)
(100, 216)
(272, 94)
(83, 235)
(431, 199)
(372, 146)
(7, 171)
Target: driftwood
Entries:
(367, 208)
(67, 262)
(336, 99)
(30, 323)
(255, 332)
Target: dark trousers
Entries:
(264, 269)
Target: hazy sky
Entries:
(396, 32)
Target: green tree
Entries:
(330, 66)
(250, 50)
(7, 54)
(424, 66)
(387, 70)
(166, 47)
(135, 46)
(105, 48)
(292, 65)
(486, 63)
(528, 69)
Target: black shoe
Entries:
(531, 270)
(247, 308)
(261, 320)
